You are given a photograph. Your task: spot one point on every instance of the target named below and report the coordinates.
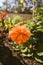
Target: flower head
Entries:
(20, 34)
(3, 15)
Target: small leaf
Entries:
(27, 55)
(24, 50)
(40, 54)
(39, 60)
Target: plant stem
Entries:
(33, 9)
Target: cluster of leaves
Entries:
(10, 22)
(36, 27)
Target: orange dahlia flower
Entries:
(3, 15)
(20, 34)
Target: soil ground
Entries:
(24, 16)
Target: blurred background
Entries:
(18, 6)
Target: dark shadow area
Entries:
(6, 57)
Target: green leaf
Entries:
(39, 60)
(24, 50)
(40, 30)
(40, 54)
(27, 55)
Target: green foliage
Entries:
(16, 20)
(0, 22)
(10, 22)
(37, 30)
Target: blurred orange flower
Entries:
(3, 15)
(20, 34)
